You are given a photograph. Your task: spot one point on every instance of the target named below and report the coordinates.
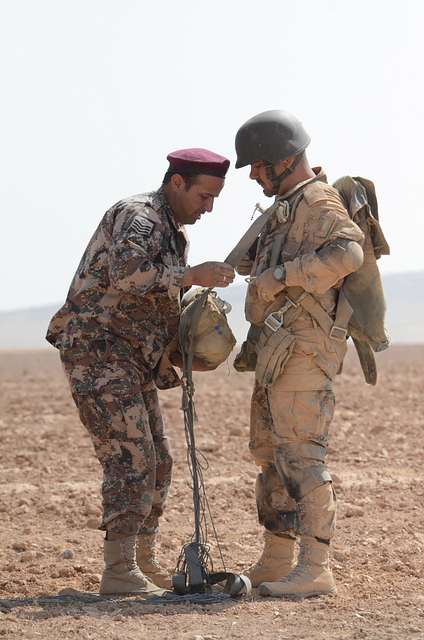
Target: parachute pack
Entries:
(363, 288)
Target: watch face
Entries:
(278, 273)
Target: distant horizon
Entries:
(26, 327)
(238, 282)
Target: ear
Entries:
(283, 165)
(177, 181)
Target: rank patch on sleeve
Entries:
(142, 226)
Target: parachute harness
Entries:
(195, 572)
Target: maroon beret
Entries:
(193, 162)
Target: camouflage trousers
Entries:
(119, 407)
(288, 440)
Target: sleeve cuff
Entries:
(293, 276)
(176, 275)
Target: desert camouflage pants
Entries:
(288, 440)
(120, 410)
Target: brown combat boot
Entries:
(311, 576)
(276, 561)
(121, 573)
(149, 564)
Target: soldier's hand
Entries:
(209, 274)
(267, 286)
(244, 267)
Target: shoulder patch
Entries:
(141, 225)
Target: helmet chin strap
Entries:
(277, 180)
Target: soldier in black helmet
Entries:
(307, 247)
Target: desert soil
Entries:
(50, 505)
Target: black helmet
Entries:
(271, 136)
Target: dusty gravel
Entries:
(50, 505)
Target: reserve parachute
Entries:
(205, 337)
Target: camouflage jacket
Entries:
(308, 218)
(128, 283)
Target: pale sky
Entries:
(95, 93)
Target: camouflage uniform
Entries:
(291, 419)
(121, 312)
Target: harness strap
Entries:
(246, 241)
(344, 313)
(297, 299)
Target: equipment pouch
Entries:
(256, 309)
(274, 350)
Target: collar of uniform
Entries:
(160, 201)
(319, 176)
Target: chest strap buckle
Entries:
(338, 333)
(275, 319)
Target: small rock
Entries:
(397, 565)
(67, 554)
(340, 554)
(377, 429)
(353, 511)
(26, 556)
(119, 618)
(63, 572)
(92, 510)
(209, 446)
(19, 546)
(79, 568)
(69, 591)
(92, 523)
(93, 578)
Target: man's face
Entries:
(193, 201)
(259, 174)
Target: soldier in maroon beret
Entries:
(194, 179)
(113, 333)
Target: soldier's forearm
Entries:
(318, 271)
(132, 270)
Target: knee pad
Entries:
(276, 510)
(302, 468)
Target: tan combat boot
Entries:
(276, 561)
(149, 564)
(121, 573)
(311, 576)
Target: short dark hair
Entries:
(189, 180)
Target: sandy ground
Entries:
(50, 504)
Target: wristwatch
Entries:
(279, 273)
